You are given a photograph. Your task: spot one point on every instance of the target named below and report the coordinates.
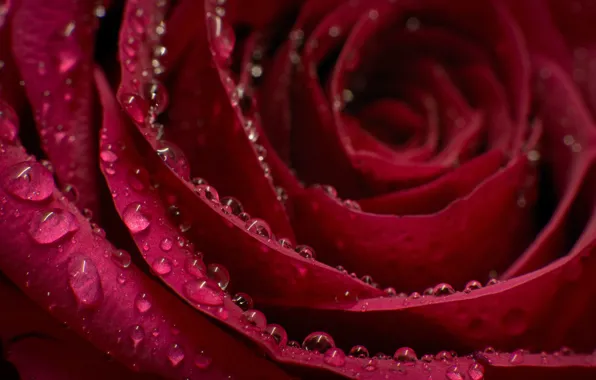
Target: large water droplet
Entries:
(476, 371)
(157, 95)
(231, 205)
(136, 218)
(49, 226)
(254, 318)
(202, 292)
(202, 361)
(219, 274)
(517, 357)
(121, 258)
(335, 357)
(166, 244)
(174, 158)
(277, 333)
(208, 192)
(162, 266)
(472, 285)
(107, 155)
(223, 38)
(175, 354)
(137, 334)
(138, 179)
(259, 227)
(135, 106)
(359, 352)
(306, 251)
(454, 373)
(142, 303)
(243, 301)
(84, 281)
(29, 181)
(196, 267)
(318, 341)
(443, 290)
(405, 355)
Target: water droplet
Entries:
(233, 205)
(49, 226)
(202, 361)
(136, 218)
(8, 120)
(243, 301)
(157, 95)
(285, 243)
(244, 216)
(371, 364)
(335, 357)
(517, 357)
(166, 244)
(135, 106)
(427, 358)
(208, 192)
(219, 274)
(174, 158)
(318, 341)
(306, 251)
(255, 318)
(259, 227)
(121, 258)
(204, 293)
(142, 302)
(359, 352)
(138, 179)
(454, 373)
(405, 355)
(443, 290)
(277, 333)
(162, 266)
(476, 371)
(71, 193)
(196, 267)
(444, 356)
(367, 279)
(390, 292)
(137, 334)
(223, 38)
(28, 181)
(175, 354)
(84, 281)
(472, 285)
(107, 155)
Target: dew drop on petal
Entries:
(108, 155)
(454, 373)
(223, 38)
(318, 342)
(135, 106)
(142, 302)
(219, 274)
(166, 244)
(121, 258)
(472, 285)
(162, 266)
(233, 205)
(335, 357)
(208, 192)
(196, 267)
(138, 179)
(28, 181)
(157, 95)
(405, 355)
(306, 251)
(47, 227)
(517, 357)
(443, 289)
(175, 355)
(255, 318)
(277, 333)
(258, 227)
(285, 243)
(202, 361)
(476, 371)
(243, 301)
(174, 158)
(137, 334)
(202, 292)
(136, 218)
(359, 352)
(83, 280)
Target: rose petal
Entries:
(53, 47)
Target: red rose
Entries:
(417, 144)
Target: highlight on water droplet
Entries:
(137, 334)
(175, 354)
(135, 106)
(335, 357)
(318, 341)
(142, 302)
(121, 258)
(83, 280)
(277, 333)
(222, 37)
(255, 318)
(219, 274)
(204, 292)
(162, 266)
(259, 227)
